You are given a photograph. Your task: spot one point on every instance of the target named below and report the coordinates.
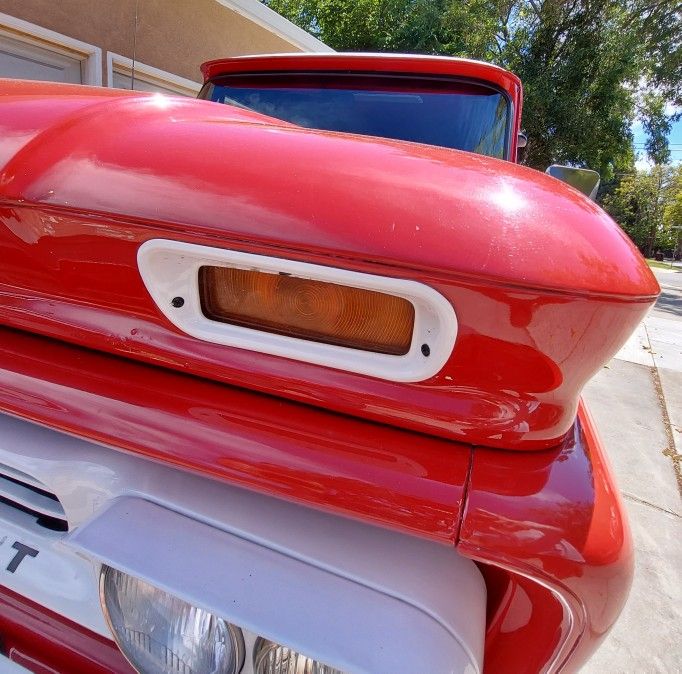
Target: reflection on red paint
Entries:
(45, 642)
(376, 473)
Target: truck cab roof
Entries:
(416, 64)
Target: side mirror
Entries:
(582, 179)
(521, 146)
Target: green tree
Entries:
(672, 214)
(579, 68)
(657, 126)
(647, 204)
(585, 64)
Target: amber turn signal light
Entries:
(318, 311)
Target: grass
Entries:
(658, 265)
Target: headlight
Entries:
(272, 658)
(160, 633)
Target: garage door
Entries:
(125, 81)
(30, 62)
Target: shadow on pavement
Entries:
(670, 302)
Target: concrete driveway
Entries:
(637, 403)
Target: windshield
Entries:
(445, 112)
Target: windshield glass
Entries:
(449, 113)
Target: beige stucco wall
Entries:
(172, 35)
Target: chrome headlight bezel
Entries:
(234, 632)
(304, 664)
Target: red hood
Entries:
(216, 167)
(535, 271)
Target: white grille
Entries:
(27, 494)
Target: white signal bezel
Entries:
(170, 269)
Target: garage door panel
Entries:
(125, 81)
(31, 62)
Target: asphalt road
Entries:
(637, 403)
(669, 304)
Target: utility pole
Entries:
(678, 245)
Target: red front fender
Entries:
(554, 543)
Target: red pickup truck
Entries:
(290, 377)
